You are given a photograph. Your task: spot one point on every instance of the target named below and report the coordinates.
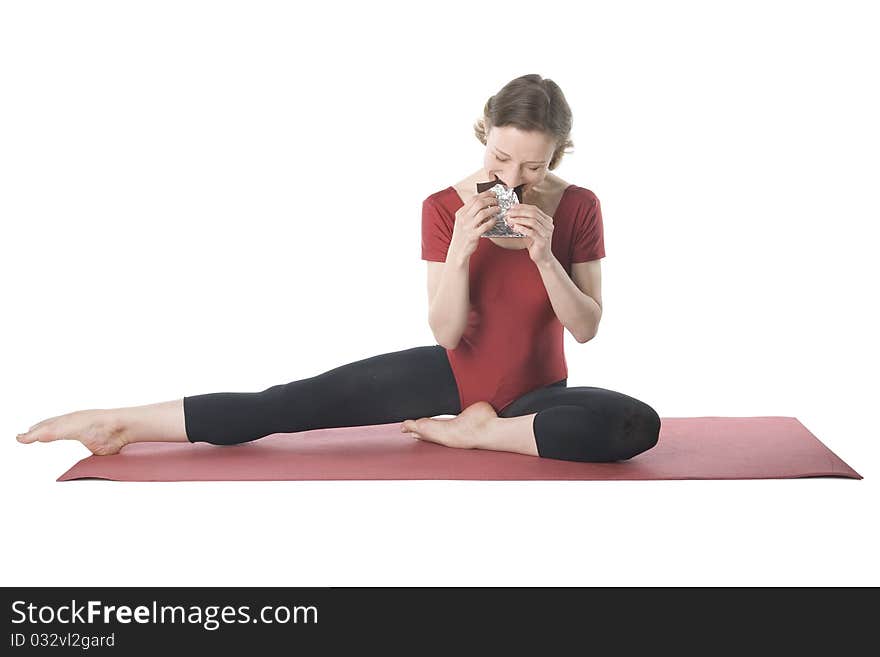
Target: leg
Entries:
(381, 389)
(587, 423)
(106, 431)
(385, 388)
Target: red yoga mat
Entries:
(689, 448)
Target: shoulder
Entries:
(582, 202)
(440, 196)
(583, 194)
(444, 202)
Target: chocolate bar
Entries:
(506, 198)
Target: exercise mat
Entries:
(689, 448)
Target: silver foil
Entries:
(506, 199)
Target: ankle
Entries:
(487, 434)
(509, 434)
(116, 425)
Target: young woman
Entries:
(497, 308)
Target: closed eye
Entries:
(505, 160)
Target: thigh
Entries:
(389, 387)
(534, 401)
(600, 402)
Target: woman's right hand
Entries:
(474, 218)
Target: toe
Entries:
(40, 434)
(42, 423)
(27, 437)
(409, 428)
(35, 432)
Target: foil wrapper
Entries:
(506, 199)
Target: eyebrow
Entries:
(528, 162)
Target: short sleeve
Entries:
(588, 242)
(436, 232)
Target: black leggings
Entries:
(573, 424)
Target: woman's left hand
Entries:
(537, 228)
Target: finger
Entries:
(475, 201)
(535, 217)
(531, 232)
(540, 218)
(488, 195)
(537, 228)
(484, 206)
(487, 214)
(521, 212)
(525, 208)
(542, 225)
(526, 221)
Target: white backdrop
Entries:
(174, 223)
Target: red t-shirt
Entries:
(513, 340)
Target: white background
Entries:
(174, 223)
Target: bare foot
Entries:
(461, 431)
(97, 429)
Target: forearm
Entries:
(448, 312)
(578, 312)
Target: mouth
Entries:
(520, 189)
(497, 179)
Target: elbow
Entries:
(593, 329)
(583, 339)
(445, 341)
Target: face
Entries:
(517, 157)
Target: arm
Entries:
(448, 298)
(576, 300)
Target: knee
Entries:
(641, 430)
(574, 433)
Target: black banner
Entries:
(270, 620)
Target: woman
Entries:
(498, 306)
